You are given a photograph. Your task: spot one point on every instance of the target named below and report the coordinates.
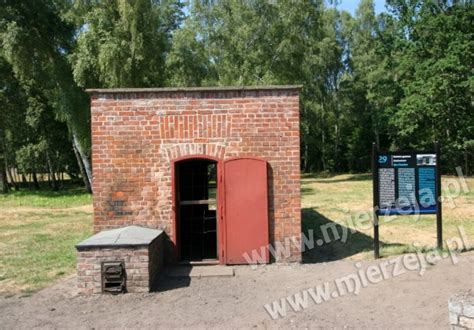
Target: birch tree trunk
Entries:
(52, 176)
(83, 162)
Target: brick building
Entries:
(216, 168)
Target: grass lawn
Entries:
(38, 230)
(69, 197)
(338, 198)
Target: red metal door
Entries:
(246, 209)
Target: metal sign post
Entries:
(439, 213)
(375, 184)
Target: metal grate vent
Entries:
(113, 277)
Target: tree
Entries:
(12, 122)
(123, 43)
(261, 43)
(35, 40)
(435, 66)
(187, 63)
(403, 79)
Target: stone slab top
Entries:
(121, 237)
(191, 89)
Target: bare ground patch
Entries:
(237, 302)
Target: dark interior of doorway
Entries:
(196, 197)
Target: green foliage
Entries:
(123, 43)
(187, 63)
(72, 196)
(436, 72)
(35, 40)
(403, 79)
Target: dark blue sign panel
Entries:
(406, 183)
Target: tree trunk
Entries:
(336, 146)
(12, 177)
(35, 180)
(466, 161)
(306, 150)
(4, 187)
(337, 132)
(61, 179)
(377, 137)
(82, 159)
(323, 139)
(25, 182)
(81, 167)
(51, 175)
(306, 160)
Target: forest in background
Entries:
(403, 78)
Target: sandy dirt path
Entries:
(405, 301)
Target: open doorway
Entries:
(196, 209)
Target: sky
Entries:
(348, 5)
(351, 6)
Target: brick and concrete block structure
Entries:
(139, 249)
(217, 169)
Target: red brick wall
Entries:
(136, 135)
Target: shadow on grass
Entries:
(69, 189)
(331, 233)
(326, 177)
(307, 191)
